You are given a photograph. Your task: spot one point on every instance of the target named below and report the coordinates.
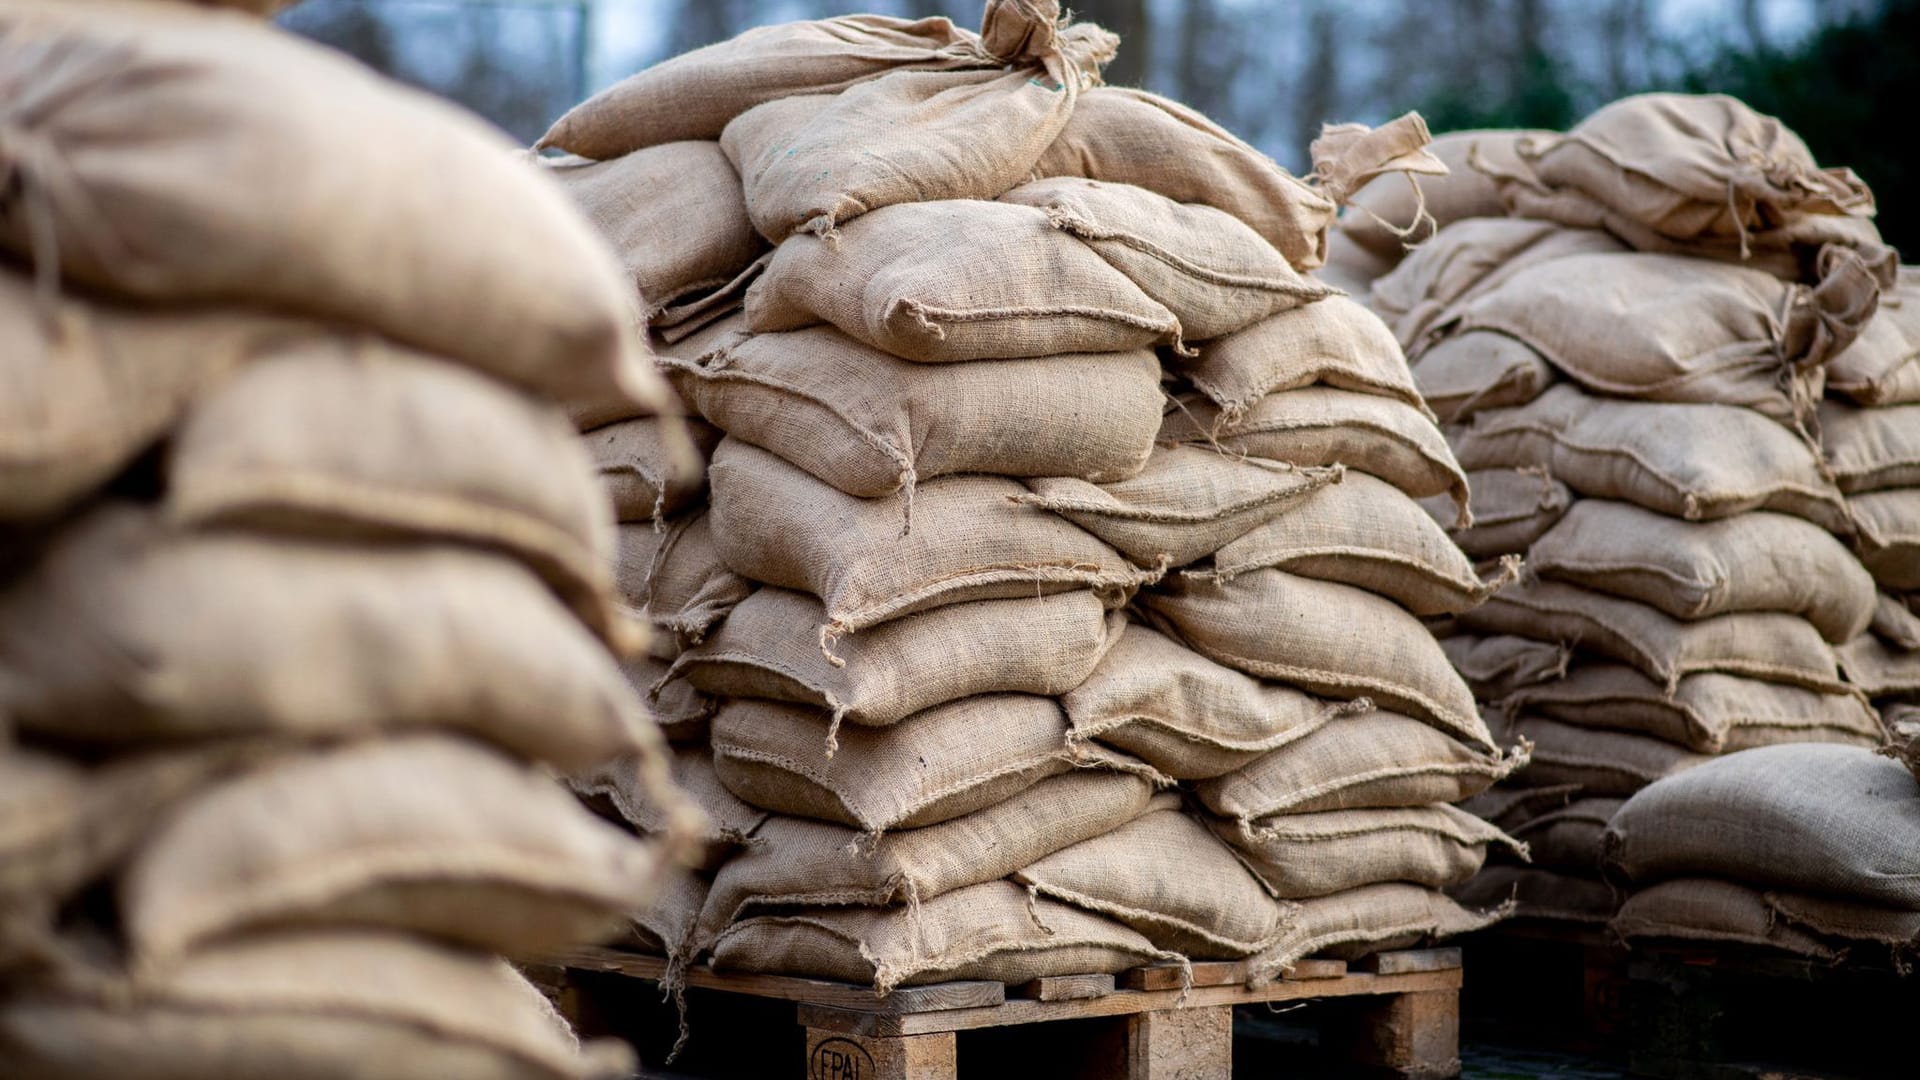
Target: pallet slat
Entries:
(1064, 988)
(906, 999)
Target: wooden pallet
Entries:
(1405, 1021)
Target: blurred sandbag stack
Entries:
(307, 582)
(1808, 849)
(942, 744)
(1631, 367)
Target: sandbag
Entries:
(1889, 535)
(1372, 918)
(945, 281)
(1871, 449)
(1709, 713)
(1508, 806)
(1369, 760)
(1480, 369)
(674, 214)
(665, 925)
(777, 524)
(680, 710)
(638, 467)
(1183, 714)
(1510, 508)
(1832, 820)
(1332, 342)
(1833, 919)
(871, 424)
(1572, 838)
(306, 1005)
(1498, 666)
(346, 436)
(1323, 637)
(1321, 425)
(221, 160)
(991, 931)
(1880, 668)
(1392, 214)
(1601, 762)
(1895, 621)
(1705, 909)
(673, 578)
(1692, 570)
(428, 835)
(769, 648)
(1540, 894)
(800, 862)
(1299, 856)
(931, 767)
(629, 790)
(1760, 645)
(694, 95)
(1166, 876)
(1350, 268)
(1186, 504)
(1364, 532)
(1882, 366)
(93, 645)
(810, 164)
(1213, 272)
(1670, 458)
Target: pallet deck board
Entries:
(906, 999)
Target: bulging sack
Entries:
(428, 835)
(1871, 449)
(629, 789)
(1498, 665)
(1332, 342)
(1540, 894)
(944, 281)
(1480, 369)
(1323, 637)
(1393, 214)
(1510, 509)
(872, 424)
(1882, 366)
(1299, 856)
(1570, 839)
(534, 297)
(1695, 569)
(1706, 909)
(1183, 714)
(1372, 918)
(1889, 536)
(769, 647)
(970, 541)
(93, 645)
(1212, 271)
(680, 710)
(642, 474)
(1598, 761)
(673, 579)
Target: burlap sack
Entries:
(1849, 921)
(665, 925)
(1540, 894)
(1321, 425)
(346, 436)
(1871, 449)
(1703, 909)
(1510, 507)
(1467, 259)
(680, 710)
(1480, 369)
(931, 767)
(1895, 621)
(1212, 271)
(1832, 820)
(1323, 637)
(95, 645)
(674, 213)
(1889, 536)
(1760, 645)
(694, 95)
(674, 580)
(625, 786)
(1601, 762)
(1298, 856)
(428, 835)
(1372, 760)
(305, 1006)
(1364, 532)
(1882, 367)
(1372, 918)
(1499, 665)
(992, 931)
(1710, 713)
(769, 648)
(1128, 136)
(1695, 569)
(801, 862)
(1183, 714)
(871, 424)
(970, 541)
(1333, 342)
(637, 466)
(1166, 876)
(1668, 328)
(945, 281)
(1666, 457)
(1509, 807)
(1879, 668)
(1395, 213)
(1572, 838)
(1351, 268)
(90, 385)
(239, 169)
(1186, 504)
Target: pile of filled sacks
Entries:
(306, 583)
(1633, 332)
(1053, 601)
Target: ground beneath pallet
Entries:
(1515, 1063)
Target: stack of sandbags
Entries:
(1639, 411)
(941, 745)
(307, 582)
(1810, 849)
